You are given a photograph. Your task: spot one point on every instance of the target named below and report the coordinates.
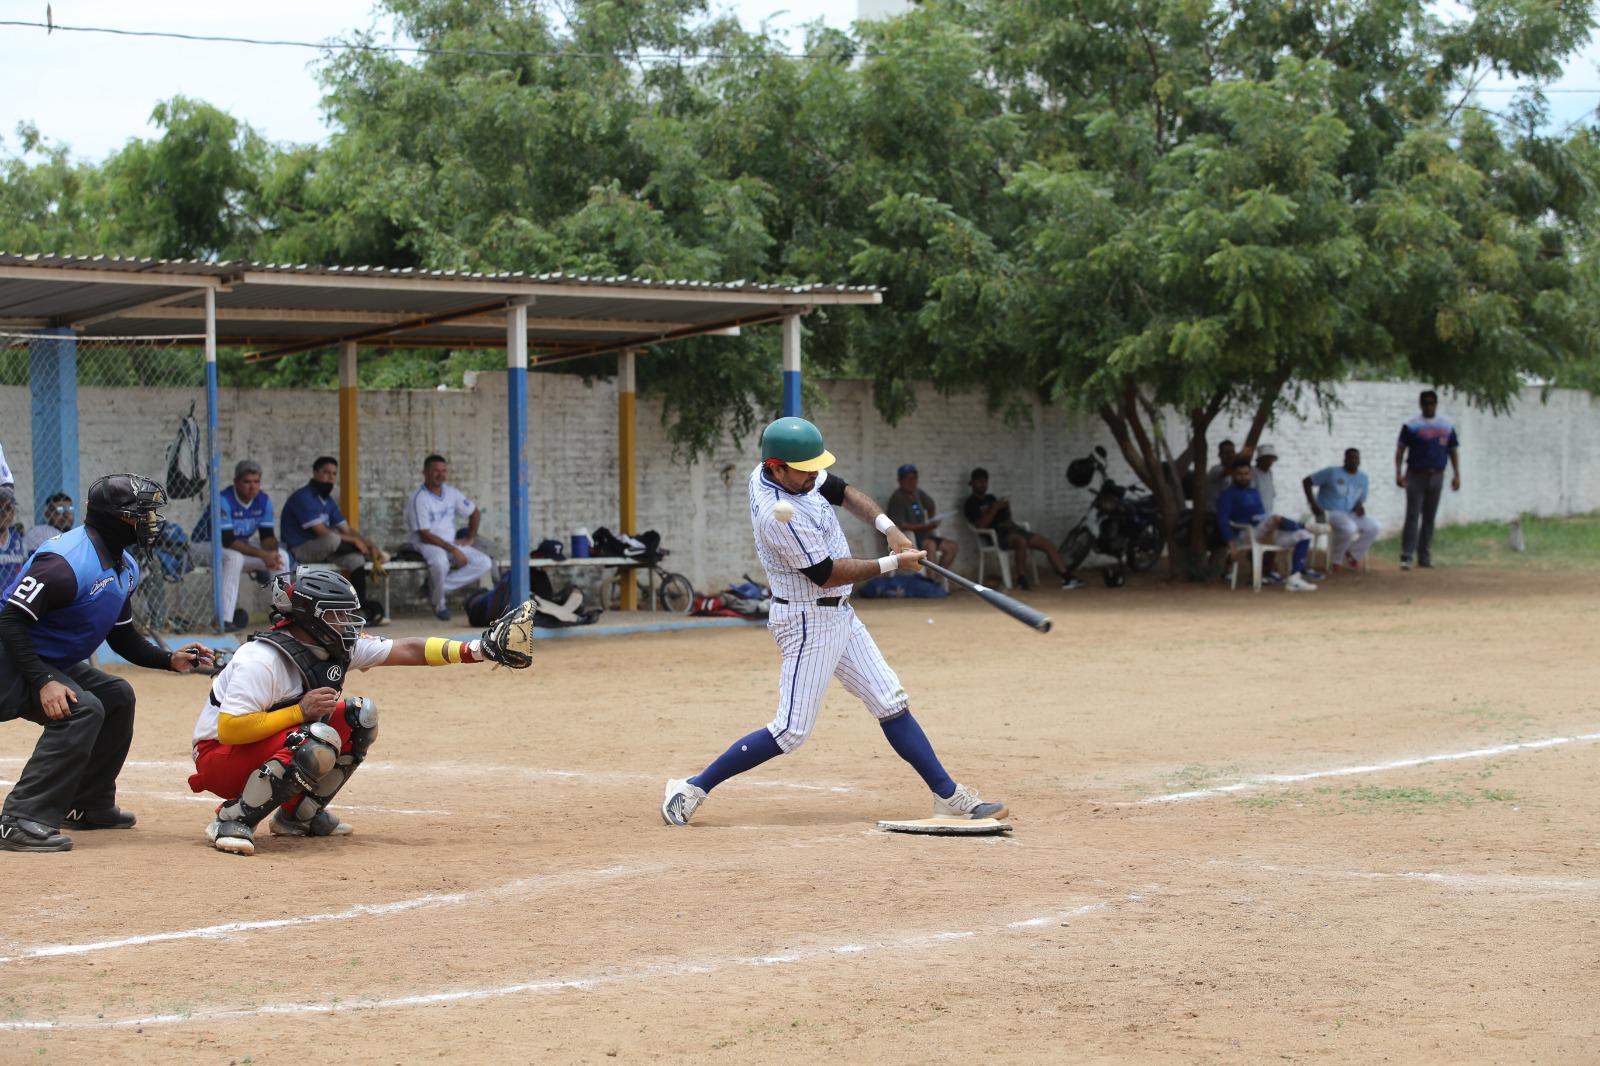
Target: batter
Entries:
(798, 539)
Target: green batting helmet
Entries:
(797, 443)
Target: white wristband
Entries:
(888, 563)
(883, 523)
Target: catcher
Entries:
(276, 737)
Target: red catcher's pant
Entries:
(222, 769)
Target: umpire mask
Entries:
(124, 508)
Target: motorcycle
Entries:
(1122, 521)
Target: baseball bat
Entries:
(999, 600)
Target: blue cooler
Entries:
(580, 544)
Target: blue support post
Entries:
(214, 461)
(53, 387)
(517, 442)
(791, 366)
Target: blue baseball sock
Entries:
(911, 744)
(1301, 550)
(747, 753)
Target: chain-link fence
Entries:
(75, 408)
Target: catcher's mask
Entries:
(129, 498)
(324, 604)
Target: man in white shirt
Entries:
(432, 517)
(5, 471)
(1261, 476)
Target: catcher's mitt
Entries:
(508, 641)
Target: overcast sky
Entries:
(93, 92)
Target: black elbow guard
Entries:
(819, 572)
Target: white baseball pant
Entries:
(442, 580)
(819, 644)
(1352, 533)
(234, 566)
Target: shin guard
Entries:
(361, 715)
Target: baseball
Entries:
(783, 510)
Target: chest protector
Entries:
(314, 672)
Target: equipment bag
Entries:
(185, 451)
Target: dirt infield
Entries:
(1420, 882)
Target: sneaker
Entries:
(1425, 566)
(965, 803)
(442, 614)
(24, 834)
(110, 818)
(1071, 583)
(1272, 577)
(233, 837)
(1405, 564)
(1296, 583)
(1312, 575)
(323, 824)
(682, 800)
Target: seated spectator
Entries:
(246, 513)
(431, 520)
(1342, 498)
(316, 531)
(1241, 503)
(914, 512)
(1261, 476)
(985, 511)
(12, 553)
(58, 518)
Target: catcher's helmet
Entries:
(324, 604)
(797, 443)
(132, 498)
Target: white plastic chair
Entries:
(1259, 549)
(989, 541)
(1321, 540)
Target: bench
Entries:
(399, 565)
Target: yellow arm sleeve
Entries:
(249, 728)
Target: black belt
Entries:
(825, 601)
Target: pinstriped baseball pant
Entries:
(819, 644)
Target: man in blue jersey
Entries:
(246, 512)
(1427, 443)
(73, 594)
(1240, 505)
(316, 531)
(13, 550)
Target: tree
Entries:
(1224, 202)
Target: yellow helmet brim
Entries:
(821, 462)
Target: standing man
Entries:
(1342, 498)
(1426, 443)
(913, 511)
(72, 595)
(987, 511)
(1261, 476)
(246, 512)
(58, 518)
(1240, 503)
(13, 543)
(316, 531)
(799, 541)
(6, 480)
(431, 520)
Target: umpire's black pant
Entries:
(76, 762)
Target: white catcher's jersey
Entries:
(260, 677)
(812, 535)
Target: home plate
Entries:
(947, 826)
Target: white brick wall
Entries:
(1544, 457)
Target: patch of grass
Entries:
(1553, 544)
(1259, 802)
(1329, 799)
(1199, 775)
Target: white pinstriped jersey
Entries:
(784, 547)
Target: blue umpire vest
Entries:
(70, 634)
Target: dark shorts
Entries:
(1004, 534)
(925, 539)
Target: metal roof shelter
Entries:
(278, 310)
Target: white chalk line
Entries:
(1268, 780)
(499, 772)
(584, 983)
(188, 797)
(519, 886)
(1507, 882)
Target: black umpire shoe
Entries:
(110, 818)
(24, 834)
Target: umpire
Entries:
(72, 594)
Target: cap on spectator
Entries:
(905, 468)
(1266, 451)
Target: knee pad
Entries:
(361, 715)
(315, 752)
